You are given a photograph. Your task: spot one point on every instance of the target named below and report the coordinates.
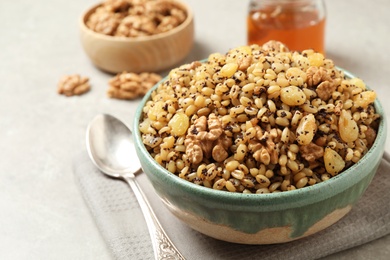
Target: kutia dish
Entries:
(216, 194)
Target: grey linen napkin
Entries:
(120, 221)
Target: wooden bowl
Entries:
(138, 54)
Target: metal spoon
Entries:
(111, 149)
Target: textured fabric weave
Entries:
(121, 223)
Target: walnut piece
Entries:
(167, 23)
(116, 5)
(131, 85)
(137, 25)
(311, 152)
(267, 153)
(205, 139)
(221, 148)
(71, 85)
(104, 22)
(194, 150)
(244, 63)
(316, 75)
(320, 78)
(193, 65)
(325, 89)
(214, 127)
(370, 136)
(274, 46)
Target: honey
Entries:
(299, 24)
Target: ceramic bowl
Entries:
(262, 218)
(152, 53)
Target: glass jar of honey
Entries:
(299, 24)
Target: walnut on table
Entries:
(71, 85)
(129, 86)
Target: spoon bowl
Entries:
(111, 147)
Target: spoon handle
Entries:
(162, 246)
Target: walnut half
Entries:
(131, 85)
(205, 139)
(319, 78)
(71, 85)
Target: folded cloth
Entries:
(120, 221)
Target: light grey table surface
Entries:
(42, 213)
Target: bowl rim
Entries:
(189, 19)
(269, 201)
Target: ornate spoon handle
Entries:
(162, 246)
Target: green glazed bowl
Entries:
(262, 218)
